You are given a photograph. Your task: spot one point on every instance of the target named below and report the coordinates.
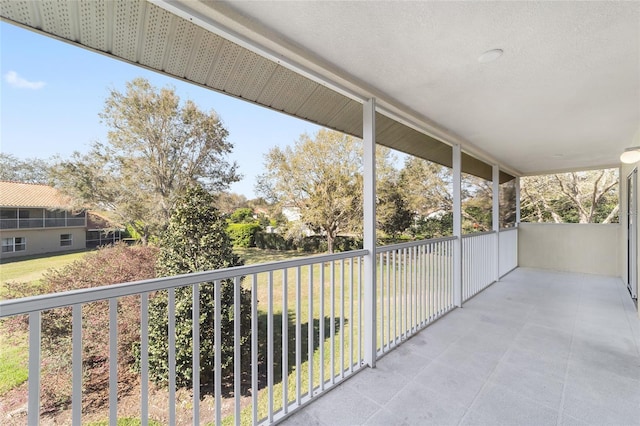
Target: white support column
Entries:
(369, 208)
(457, 226)
(517, 201)
(495, 210)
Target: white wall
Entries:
(583, 248)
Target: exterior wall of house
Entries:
(583, 248)
(45, 240)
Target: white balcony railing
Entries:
(307, 331)
(327, 304)
(478, 262)
(415, 287)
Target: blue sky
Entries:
(51, 93)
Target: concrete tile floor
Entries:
(538, 348)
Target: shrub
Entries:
(243, 234)
(273, 241)
(109, 265)
(311, 244)
(195, 240)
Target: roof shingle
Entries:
(17, 194)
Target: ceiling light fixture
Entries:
(631, 155)
(490, 55)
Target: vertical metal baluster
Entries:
(450, 257)
(380, 276)
(298, 334)
(270, 343)
(438, 284)
(195, 335)
(76, 399)
(321, 327)
(464, 268)
(172, 355)
(144, 358)
(401, 266)
(421, 250)
(332, 329)
(237, 350)
(432, 288)
(342, 318)
(388, 320)
(310, 332)
(414, 287)
(217, 351)
(351, 318)
(285, 342)
(113, 361)
(33, 409)
(359, 311)
(254, 349)
(406, 293)
(395, 298)
(443, 282)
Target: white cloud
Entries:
(15, 80)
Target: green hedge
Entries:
(312, 244)
(243, 234)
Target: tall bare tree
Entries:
(29, 170)
(156, 146)
(583, 197)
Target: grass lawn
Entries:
(255, 255)
(13, 361)
(32, 269)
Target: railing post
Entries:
(369, 243)
(496, 217)
(457, 226)
(517, 201)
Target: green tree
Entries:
(322, 177)
(156, 147)
(427, 186)
(242, 215)
(195, 240)
(392, 211)
(30, 170)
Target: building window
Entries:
(10, 245)
(66, 240)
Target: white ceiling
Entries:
(565, 94)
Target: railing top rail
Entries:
(57, 300)
(513, 228)
(399, 246)
(478, 234)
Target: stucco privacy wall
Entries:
(584, 248)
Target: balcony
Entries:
(536, 347)
(40, 218)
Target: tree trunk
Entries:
(330, 239)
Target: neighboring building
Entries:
(101, 231)
(37, 219)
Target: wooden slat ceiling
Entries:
(146, 35)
